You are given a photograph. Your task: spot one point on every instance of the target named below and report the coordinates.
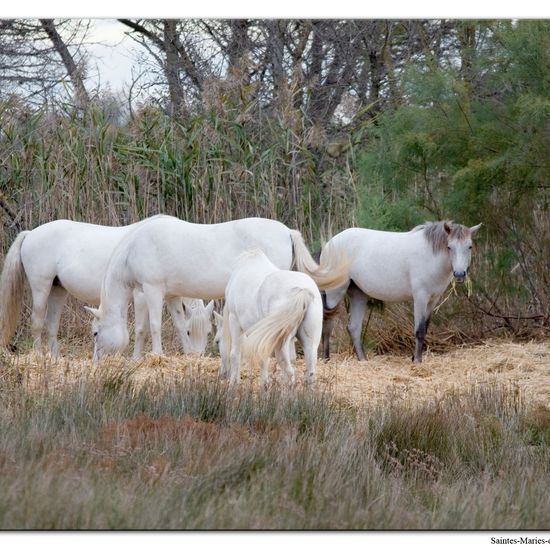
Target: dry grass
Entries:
(525, 366)
(459, 442)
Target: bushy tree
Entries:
(471, 143)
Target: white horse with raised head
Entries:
(168, 257)
(394, 267)
(66, 257)
(265, 308)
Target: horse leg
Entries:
(328, 326)
(310, 355)
(357, 310)
(283, 359)
(422, 315)
(309, 334)
(428, 317)
(155, 300)
(39, 307)
(56, 301)
(331, 299)
(141, 323)
(235, 353)
(224, 344)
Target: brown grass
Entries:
(460, 442)
(525, 366)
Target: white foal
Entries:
(265, 309)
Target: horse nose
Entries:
(459, 275)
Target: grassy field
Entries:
(460, 442)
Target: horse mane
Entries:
(437, 235)
(200, 320)
(200, 323)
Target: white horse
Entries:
(168, 257)
(395, 267)
(65, 257)
(265, 308)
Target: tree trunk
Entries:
(172, 67)
(72, 70)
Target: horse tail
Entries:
(12, 285)
(332, 270)
(264, 337)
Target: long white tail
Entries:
(12, 285)
(332, 270)
(264, 337)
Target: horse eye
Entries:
(188, 333)
(448, 248)
(470, 247)
(95, 333)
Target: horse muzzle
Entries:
(460, 276)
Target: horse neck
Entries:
(441, 263)
(437, 262)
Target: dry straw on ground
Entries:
(525, 366)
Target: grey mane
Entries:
(438, 237)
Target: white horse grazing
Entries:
(168, 257)
(65, 257)
(265, 308)
(192, 319)
(395, 267)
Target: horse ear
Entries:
(210, 307)
(474, 229)
(94, 311)
(447, 228)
